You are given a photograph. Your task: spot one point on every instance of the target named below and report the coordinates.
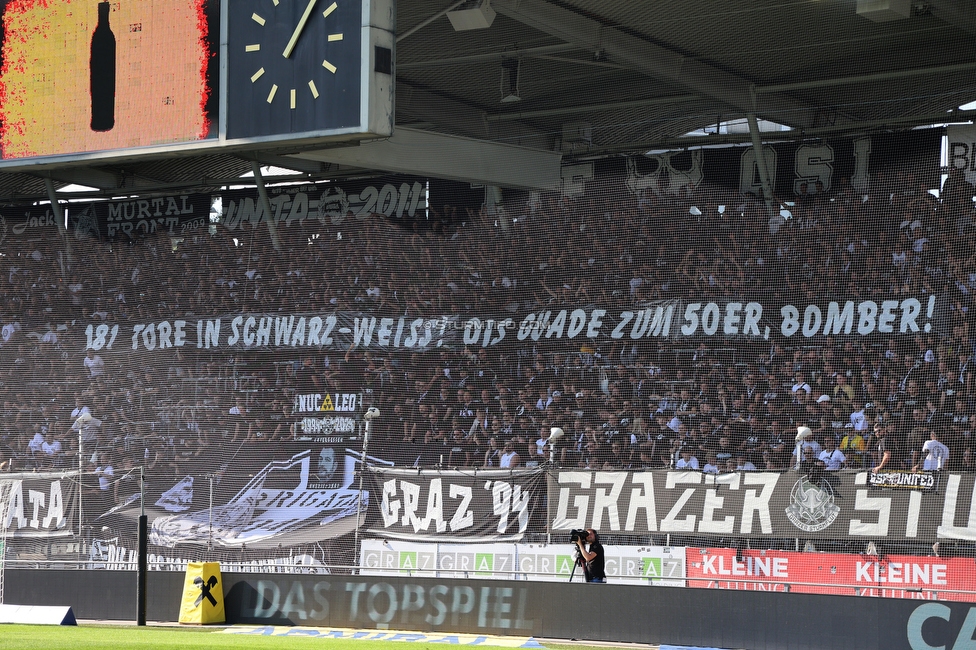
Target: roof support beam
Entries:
(653, 60)
(416, 28)
(958, 13)
(761, 162)
(465, 119)
(52, 196)
(852, 128)
(274, 160)
(869, 78)
(88, 176)
(447, 156)
(490, 56)
(593, 108)
(265, 204)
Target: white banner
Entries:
(658, 565)
(962, 149)
(665, 319)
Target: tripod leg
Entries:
(577, 562)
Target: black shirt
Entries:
(595, 568)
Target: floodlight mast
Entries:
(555, 433)
(371, 414)
(79, 424)
(802, 435)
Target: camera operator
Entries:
(592, 560)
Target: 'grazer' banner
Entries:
(40, 505)
(840, 505)
(490, 505)
(341, 330)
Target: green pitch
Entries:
(52, 637)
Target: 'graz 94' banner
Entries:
(496, 505)
(841, 505)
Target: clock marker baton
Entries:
(298, 30)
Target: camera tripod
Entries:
(577, 561)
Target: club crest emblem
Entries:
(812, 507)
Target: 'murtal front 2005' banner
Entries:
(761, 504)
(176, 215)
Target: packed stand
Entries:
(718, 406)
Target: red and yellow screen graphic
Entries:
(83, 75)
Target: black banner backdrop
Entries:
(176, 215)
(305, 493)
(489, 505)
(27, 221)
(840, 505)
(407, 197)
(284, 500)
(400, 198)
(857, 160)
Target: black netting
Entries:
(661, 321)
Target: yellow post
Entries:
(203, 594)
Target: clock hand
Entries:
(298, 30)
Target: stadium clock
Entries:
(294, 66)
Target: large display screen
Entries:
(85, 76)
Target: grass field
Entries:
(84, 637)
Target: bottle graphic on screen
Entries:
(103, 72)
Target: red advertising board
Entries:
(889, 576)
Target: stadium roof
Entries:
(596, 77)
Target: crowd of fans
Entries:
(712, 405)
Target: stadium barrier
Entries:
(620, 613)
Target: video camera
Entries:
(576, 534)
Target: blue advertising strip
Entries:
(386, 635)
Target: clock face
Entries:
(294, 66)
